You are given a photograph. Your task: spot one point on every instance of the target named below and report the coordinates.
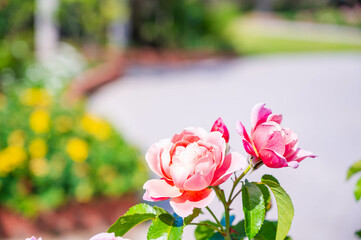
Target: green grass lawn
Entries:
(253, 36)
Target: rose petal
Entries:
(275, 118)
(179, 175)
(146, 197)
(259, 114)
(153, 156)
(196, 182)
(293, 164)
(189, 135)
(269, 136)
(159, 188)
(245, 139)
(184, 205)
(215, 138)
(291, 142)
(272, 159)
(300, 154)
(165, 159)
(232, 163)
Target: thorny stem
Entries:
(227, 204)
(220, 194)
(222, 198)
(226, 216)
(236, 195)
(249, 167)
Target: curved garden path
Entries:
(318, 94)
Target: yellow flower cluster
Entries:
(35, 97)
(10, 158)
(38, 148)
(77, 149)
(40, 121)
(96, 126)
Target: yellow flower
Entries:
(16, 138)
(39, 121)
(39, 167)
(10, 158)
(77, 149)
(96, 126)
(38, 148)
(63, 124)
(35, 97)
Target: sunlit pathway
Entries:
(319, 96)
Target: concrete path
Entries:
(319, 96)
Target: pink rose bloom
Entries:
(33, 238)
(188, 164)
(106, 236)
(276, 146)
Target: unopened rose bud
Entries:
(221, 127)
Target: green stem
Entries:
(219, 193)
(226, 204)
(249, 167)
(228, 225)
(215, 218)
(236, 195)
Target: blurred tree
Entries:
(16, 39)
(16, 17)
(176, 24)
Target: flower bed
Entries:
(51, 153)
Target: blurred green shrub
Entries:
(87, 21)
(181, 24)
(51, 153)
(16, 38)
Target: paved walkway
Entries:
(318, 94)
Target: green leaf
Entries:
(284, 206)
(268, 231)
(135, 215)
(240, 231)
(142, 208)
(356, 167)
(166, 227)
(191, 217)
(203, 232)
(125, 223)
(160, 210)
(358, 233)
(266, 196)
(357, 190)
(253, 208)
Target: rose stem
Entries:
(215, 218)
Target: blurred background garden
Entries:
(72, 153)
